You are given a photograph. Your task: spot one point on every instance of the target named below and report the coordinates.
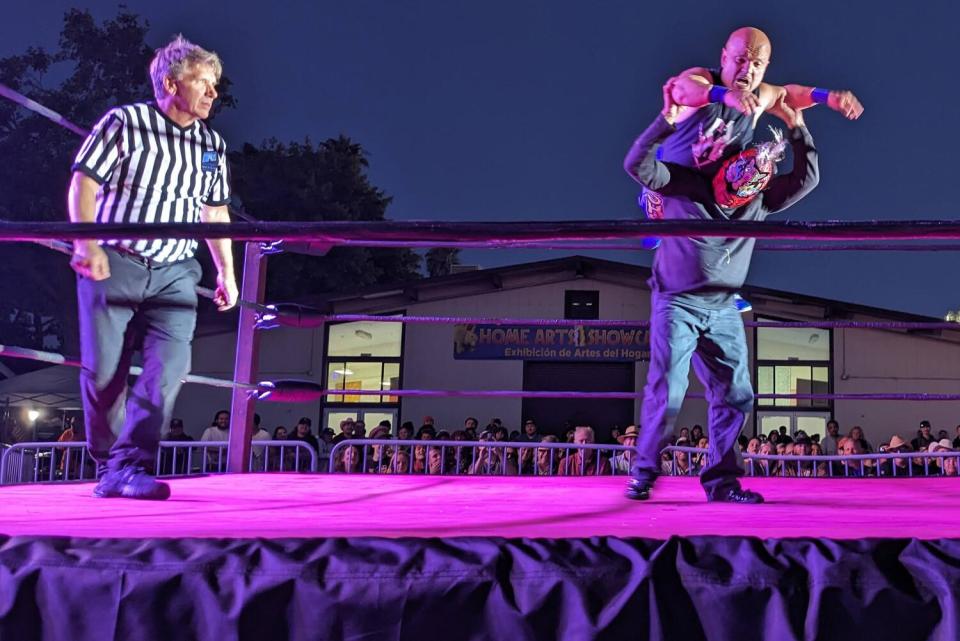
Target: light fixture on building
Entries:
(343, 372)
(33, 415)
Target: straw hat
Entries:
(632, 430)
(939, 446)
(896, 442)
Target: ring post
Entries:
(248, 356)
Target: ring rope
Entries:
(492, 234)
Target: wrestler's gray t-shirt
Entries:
(704, 271)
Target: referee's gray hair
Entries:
(173, 59)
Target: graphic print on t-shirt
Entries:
(712, 142)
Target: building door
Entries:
(556, 415)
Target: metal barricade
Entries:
(501, 458)
(683, 462)
(48, 462)
(187, 458)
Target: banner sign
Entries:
(545, 343)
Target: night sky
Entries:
(523, 110)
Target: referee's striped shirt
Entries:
(151, 170)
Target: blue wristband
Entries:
(820, 96)
(717, 92)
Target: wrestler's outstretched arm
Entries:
(692, 89)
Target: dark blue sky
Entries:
(514, 110)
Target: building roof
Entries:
(386, 297)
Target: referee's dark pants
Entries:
(715, 341)
(146, 306)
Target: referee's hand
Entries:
(226, 295)
(90, 261)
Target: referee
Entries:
(146, 163)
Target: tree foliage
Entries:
(440, 261)
(310, 182)
(99, 65)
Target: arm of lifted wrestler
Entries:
(666, 178)
(692, 90)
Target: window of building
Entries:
(581, 304)
(363, 356)
(793, 360)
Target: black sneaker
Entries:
(131, 482)
(737, 495)
(638, 490)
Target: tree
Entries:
(440, 261)
(310, 182)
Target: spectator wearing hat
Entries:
(935, 465)
(677, 464)
(924, 438)
(530, 432)
(303, 432)
(948, 464)
(896, 466)
(167, 463)
(621, 461)
(347, 429)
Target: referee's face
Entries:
(196, 90)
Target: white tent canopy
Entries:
(56, 387)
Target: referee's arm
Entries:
(221, 249)
(89, 260)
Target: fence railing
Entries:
(45, 462)
(689, 461)
(505, 458)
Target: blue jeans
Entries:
(715, 340)
(140, 306)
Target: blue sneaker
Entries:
(742, 304)
(131, 482)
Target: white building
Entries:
(387, 356)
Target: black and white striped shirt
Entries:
(151, 170)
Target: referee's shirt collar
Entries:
(156, 107)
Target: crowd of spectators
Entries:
(779, 442)
(495, 449)
(479, 456)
